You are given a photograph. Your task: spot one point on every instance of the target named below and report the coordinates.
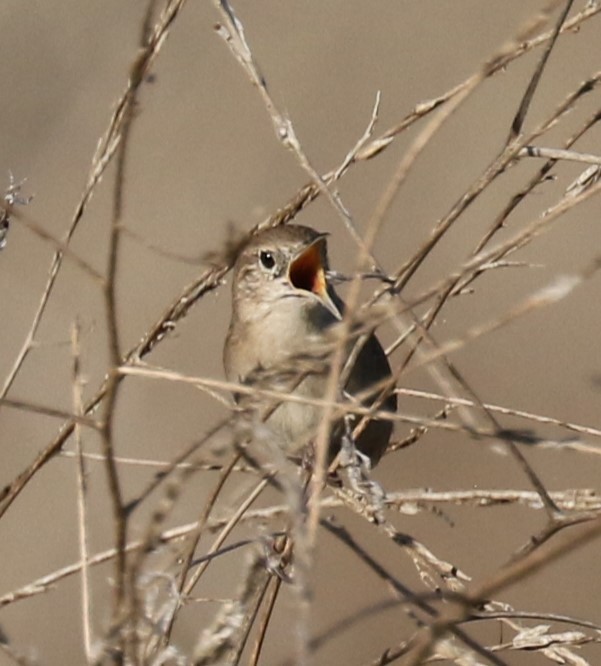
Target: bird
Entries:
(284, 310)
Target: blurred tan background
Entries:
(203, 155)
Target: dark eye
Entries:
(267, 259)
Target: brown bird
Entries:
(279, 337)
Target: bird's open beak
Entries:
(307, 272)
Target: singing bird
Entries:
(283, 313)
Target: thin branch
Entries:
(107, 148)
(556, 154)
(161, 464)
(276, 584)
(61, 247)
(222, 642)
(538, 418)
(232, 32)
(343, 535)
(520, 116)
(212, 278)
(251, 616)
(120, 592)
(82, 500)
(559, 289)
(48, 582)
(224, 533)
(494, 614)
(504, 578)
(536, 180)
(193, 541)
(27, 406)
(407, 502)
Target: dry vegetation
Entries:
(218, 553)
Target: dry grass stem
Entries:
(82, 500)
(194, 537)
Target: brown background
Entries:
(203, 154)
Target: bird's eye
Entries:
(267, 259)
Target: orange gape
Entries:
(306, 272)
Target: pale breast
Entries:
(294, 421)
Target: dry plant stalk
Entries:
(286, 534)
